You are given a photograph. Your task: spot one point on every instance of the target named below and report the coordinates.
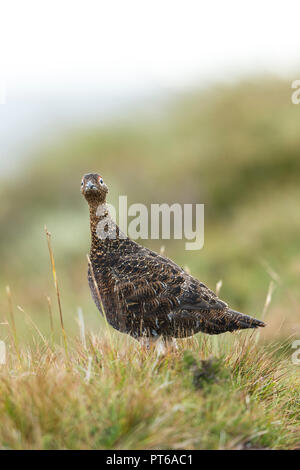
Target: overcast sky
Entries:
(63, 48)
(62, 44)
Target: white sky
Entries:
(58, 57)
(128, 44)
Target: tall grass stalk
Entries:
(51, 320)
(81, 328)
(12, 327)
(28, 317)
(268, 298)
(48, 235)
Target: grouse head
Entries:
(93, 188)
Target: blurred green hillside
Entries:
(235, 148)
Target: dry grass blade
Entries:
(48, 235)
(12, 327)
(268, 298)
(81, 328)
(89, 370)
(218, 286)
(51, 320)
(33, 324)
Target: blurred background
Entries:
(170, 102)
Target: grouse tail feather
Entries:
(239, 321)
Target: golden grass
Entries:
(211, 393)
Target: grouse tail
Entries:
(239, 321)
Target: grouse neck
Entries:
(104, 230)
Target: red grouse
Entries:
(144, 294)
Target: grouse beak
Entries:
(90, 186)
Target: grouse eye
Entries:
(100, 180)
(82, 183)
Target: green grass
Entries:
(224, 393)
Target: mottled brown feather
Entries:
(144, 293)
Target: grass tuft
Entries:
(195, 397)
